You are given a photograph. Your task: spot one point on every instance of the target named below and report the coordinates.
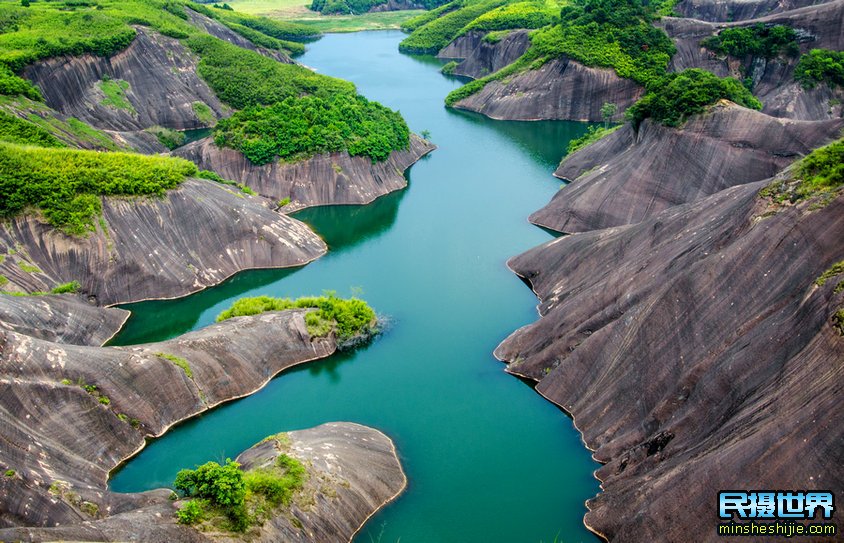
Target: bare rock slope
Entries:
(321, 180)
(61, 439)
(479, 57)
(195, 236)
(696, 353)
(161, 86)
(62, 319)
(773, 79)
(560, 89)
(631, 175)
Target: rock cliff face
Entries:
(773, 80)
(193, 237)
(396, 5)
(162, 86)
(223, 32)
(321, 180)
(737, 10)
(479, 58)
(61, 319)
(629, 176)
(560, 89)
(696, 354)
(59, 431)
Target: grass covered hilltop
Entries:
(281, 111)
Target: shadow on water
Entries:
(343, 227)
(540, 139)
(158, 320)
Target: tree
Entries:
(607, 112)
(426, 134)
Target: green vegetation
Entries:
(204, 113)
(756, 41)
(284, 201)
(179, 361)
(285, 31)
(10, 473)
(615, 34)
(301, 127)
(308, 113)
(449, 67)
(213, 176)
(67, 288)
(820, 173)
(104, 400)
(115, 94)
(427, 16)
(838, 321)
(820, 66)
(227, 497)
(528, 14)
(13, 129)
(12, 85)
(167, 137)
(495, 36)
(593, 134)
(834, 271)
(66, 184)
(346, 318)
(28, 268)
(3, 280)
(677, 96)
(433, 36)
(358, 7)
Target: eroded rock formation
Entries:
(630, 175)
(696, 354)
(560, 89)
(195, 236)
(479, 57)
(321, 180)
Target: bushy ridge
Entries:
(593, 134)
(227, 497)
(759, 40)
(347, 318)
(436, 34)
(531, 14)
(820, 173)
(675, 97)
(308, 113)
(820, 66)
(424, 18)
(13, 129)
(615, 34)
(66, 185)
(300, 127)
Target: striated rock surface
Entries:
(560, 89)
(59, 431)
(696, 354)
(773, 80)
(629, 176)
(479, 58)
(321, 180)
(221, 31)
(61, 319)
(193, 237)
(737, 10)
(162, 85)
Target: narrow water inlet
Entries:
(488, 459)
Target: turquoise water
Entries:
(488, 459)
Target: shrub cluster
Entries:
(308, 113)
(347, 318)
(433, 36)
(357, 7)
(424, 18)
(593, 134)
(301, 127)
(242, 498)
(758, 40)
(820, 66)
(530, 14)
(675, 97)
(13, 129)
(66, 185)
(615, 34)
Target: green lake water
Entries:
(488, 459)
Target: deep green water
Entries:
(488, 459)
